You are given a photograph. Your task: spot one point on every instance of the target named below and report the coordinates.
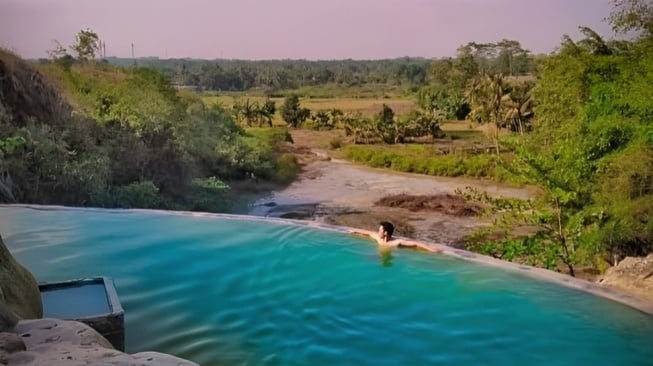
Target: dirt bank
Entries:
(342, 193)
(421, 207)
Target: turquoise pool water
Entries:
(246, 292)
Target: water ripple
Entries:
(225, 291)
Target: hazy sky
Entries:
(310, 29)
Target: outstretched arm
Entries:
(362, 232)
(418, 245)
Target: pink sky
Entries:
(310, 29)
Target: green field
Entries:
(368, 107)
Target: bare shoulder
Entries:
(395, 243)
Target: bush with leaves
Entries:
(132, 140)
(590, 153)
(292, 111)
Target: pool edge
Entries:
(593, 288)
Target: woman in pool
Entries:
(384, 238)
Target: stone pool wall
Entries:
(27, 340)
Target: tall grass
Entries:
(424, 159)
(335, 91)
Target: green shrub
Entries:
(403, 164)
(287, 168)
(207, 194)
(134, 195)
(335, 143)
(416, 158)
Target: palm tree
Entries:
(266, 112)
(484, 94)
(250, 112)
(518, 107)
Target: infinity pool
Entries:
(225, 291)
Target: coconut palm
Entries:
(266, 112)
(484, 94)
(518, 107)
(250, 112)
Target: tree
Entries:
(591, 152)
(322, 120)
(87, 43)
(362, 129)
(450, 103)
(292, 112)
(505, 57)
(58, 51)
(485, 95)
(511, 57)
(593, 42)
(632, 15)
(336, 117)
(518, 107)
(434, 105)
(466, 65)
(60, 56)
(267, 111)
(385, 125)
(428, 121)
(249, 111)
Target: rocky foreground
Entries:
(27, 340)
(632, 275)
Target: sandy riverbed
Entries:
(342, 193)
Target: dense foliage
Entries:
(591, 151)
(273, 76)
(292, 112)
(424, 159)
(128, 140)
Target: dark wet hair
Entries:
(388, 227)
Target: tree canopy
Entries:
(591, 151)
(120, 138)
(87, 43)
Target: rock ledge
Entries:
(633, 275)
(57, 342)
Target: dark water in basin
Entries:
(224, 291)
(75, 302)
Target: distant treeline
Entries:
(506, 57)
(241, 75)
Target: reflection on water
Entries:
(385, 253)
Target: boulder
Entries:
(42, 331)
(53, 342)
(7, 317)
(56, 342)
(18, 288)
(9, 343)
(633, 275)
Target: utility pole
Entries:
(133, 58)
